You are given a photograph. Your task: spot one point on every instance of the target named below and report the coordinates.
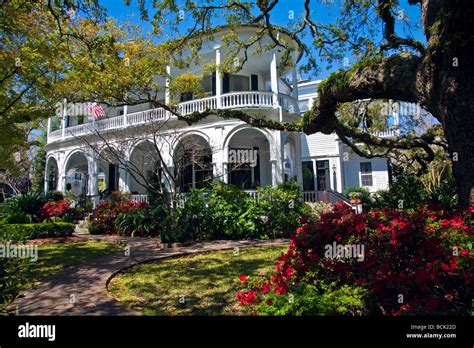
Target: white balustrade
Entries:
(246, 99)
(109, 123)
(147, 116)
(308, 196)
(324, 196)
(57, 134)
(76, 131)
(198, 105)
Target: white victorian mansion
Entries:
(76, 151)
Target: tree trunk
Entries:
(446, 84)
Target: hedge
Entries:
(35, 231)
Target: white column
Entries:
(167, 85)
(92, 183)
(63, 119)
(48, 129)
(125, 112)
(46, 181)
(167, 153)
(217, 148)
(315, 179)
(168, 180)
(277, 172)
(218, 77)
(225, 171)
(63, 183)
(294, 92)
(123, 187)
(299, 164)
(167, 89)
(62, 172)
(274, 78)
(276, 158)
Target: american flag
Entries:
(95, 110)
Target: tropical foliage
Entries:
(226, 212)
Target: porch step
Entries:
(81, 228)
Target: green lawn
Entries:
(207, 281)
(54, 257)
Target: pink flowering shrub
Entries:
(412, 263)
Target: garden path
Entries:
(82, 289)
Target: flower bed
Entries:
(408, 263)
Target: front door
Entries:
(113, 178)
(322, 174)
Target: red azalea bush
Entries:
(414, 263)
(57, 209)
(102, 219)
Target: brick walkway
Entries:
(82, 289)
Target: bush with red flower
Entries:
(54, 210)
(102, 219)
(413, 263)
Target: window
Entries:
(322, 173)
(366, 174)
(208, 84)
(303, 105)
(238, 83)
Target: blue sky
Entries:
(323, 12)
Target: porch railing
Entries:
(307, 196)
(247, 99)
(250, 99)
(198, 105)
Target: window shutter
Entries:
(225, 87)
(214, 83)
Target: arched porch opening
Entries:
(192, 159)
(143, 167)
(249, 163)
(76, 173)
(52, 174)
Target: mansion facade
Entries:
(89, 158)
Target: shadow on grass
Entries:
(54, 257)
(205, 283)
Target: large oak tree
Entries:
(437, 74)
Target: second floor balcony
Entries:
(232, 100)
